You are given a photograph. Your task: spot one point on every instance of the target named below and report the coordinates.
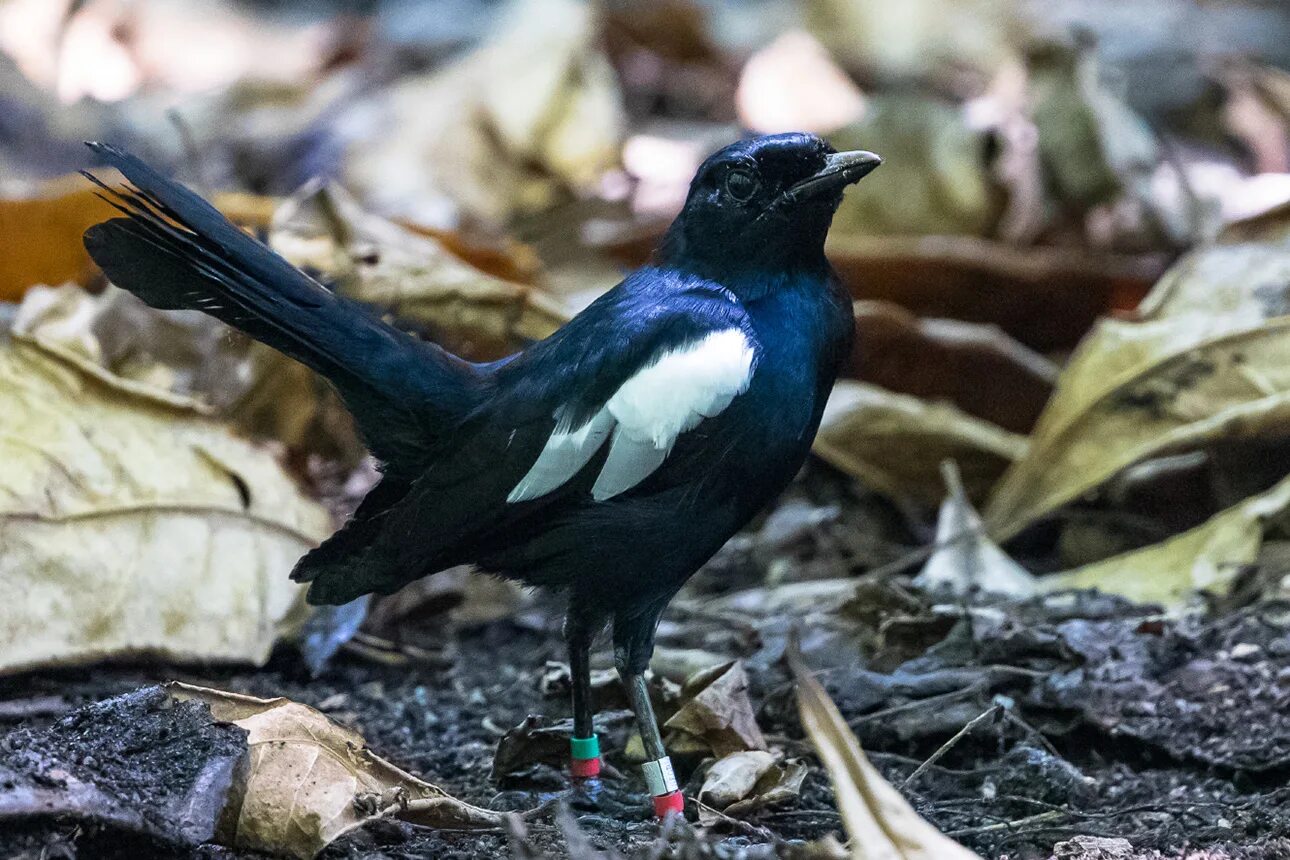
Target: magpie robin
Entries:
(610, 460)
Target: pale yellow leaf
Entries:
(1207, 558)
(1211, 360)
(895, 443)
(880, 823)
(130, 524)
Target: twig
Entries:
(742, 826)
(1032, 732)
(922, 553)
(990, 713)
(1007, 825)
(964, 692)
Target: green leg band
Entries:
(585, 748)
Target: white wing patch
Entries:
(646, 415)
(566, 452)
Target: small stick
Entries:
(1007, 825)
(989, 714)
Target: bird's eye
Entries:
(741, 185)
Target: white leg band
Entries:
(659, 776)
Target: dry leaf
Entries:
(733, 776)
(779, 786)
(187, 353)
(917, 39)
(40, 233)
(412, 276)
(309, 780)
(880, 823)
(1046, 298)
(132, 525)
(793, 85)
(977, 367)
(966, 560)
(717, 713)
(1210, 360)
(1091, 144)
(895, 443)
(532, 114)
(40, 236)
(1207, 558)
(940, 184)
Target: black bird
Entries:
(610, 460)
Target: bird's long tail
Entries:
(174, 250)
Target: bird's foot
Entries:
(586, 794)
(661, 781)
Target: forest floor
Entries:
(1093, 719)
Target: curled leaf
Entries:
(1210, 360)
(309, 780)
(778, 786)
(717, 712)
(966, 559)
(733, 776)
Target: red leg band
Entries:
(584, 768)
(673, 801)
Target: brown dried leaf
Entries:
(40, 236)
(1045, 297)
(978, 368)
(309, 780)
(717, 712)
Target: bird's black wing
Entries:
(473, 502)
(174, 250)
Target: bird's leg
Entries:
(584, 759)
(631, 655)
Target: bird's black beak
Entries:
(840, 170)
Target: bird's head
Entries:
(762, 206)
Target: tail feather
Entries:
(174, 250)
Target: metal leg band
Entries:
(659, 776)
